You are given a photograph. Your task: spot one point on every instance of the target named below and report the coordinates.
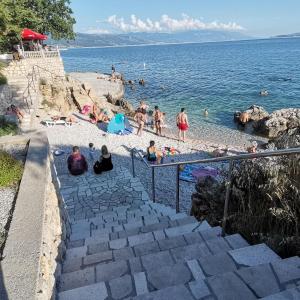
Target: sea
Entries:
(222, 77)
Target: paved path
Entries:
(123, 246)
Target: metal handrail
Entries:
(230, 159)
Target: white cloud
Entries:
(168, 24)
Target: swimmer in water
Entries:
(205, 113)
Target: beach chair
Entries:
(51, 123)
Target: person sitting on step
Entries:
(104, 163)
(77, 164)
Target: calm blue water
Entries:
(222, 77)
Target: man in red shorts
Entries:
(182, 124)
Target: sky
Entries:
(258, 18)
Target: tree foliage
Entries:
(52, 17)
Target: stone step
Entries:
(127, 210)
(177, 266)
(133, 237)
(289, 294)
(120, 229)
(110, 251)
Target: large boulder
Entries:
(279, 121)
(255, 113)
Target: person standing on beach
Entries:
(182, 124)
(113, 70)
(140, 118)
(157, 116)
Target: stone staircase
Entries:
(132, 248)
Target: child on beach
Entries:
(91, 152)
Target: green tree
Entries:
(52, 17)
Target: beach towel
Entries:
(86, 109)
(119, 124)
(192, 173)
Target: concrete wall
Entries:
(35, 243)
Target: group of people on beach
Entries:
(78, 165)
(141, 117)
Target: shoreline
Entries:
(215, 136)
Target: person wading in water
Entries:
(182, 124)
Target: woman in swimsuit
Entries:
(140, 118)
(153, 155)
(182, 124)
(157, 116)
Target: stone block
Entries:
(174, 242)
(229, 287)
(287, 270)
(195, 269)
(121, 287)
(254, 255)
(146, 248)
(193, 238)
(290, 294)
(179, 292)
(71, 265)
(77, 279)
(261, 280)
(190, 252)
(236, 241)
(97, 239)
(95, 248)
(135, 265)
(140, 282)
(127, 233)
(97, 258)
(211, 233)
(155, 227)
(217, 245)
(159, 235)
(118, 244)
(133, 225)
(111, 270)
(74, 244)
(123, 254)
(169, 276)
(186, 220)
(199, 289)
(180, 230)
(140, 239)
(92, 292)
(76, 252)
(178, 216)
(217, 264)
(157, 260)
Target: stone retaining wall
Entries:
(23, 67)
(36, 239)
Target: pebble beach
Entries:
(84, 132)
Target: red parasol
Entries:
(28, 34)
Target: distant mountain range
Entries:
(130, 39)
(291, 35)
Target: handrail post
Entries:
(177, 189)
(132, 159)
(228, 188)
(153, 184)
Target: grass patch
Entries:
(11, 170)
(7, 128)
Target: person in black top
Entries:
(104, 163)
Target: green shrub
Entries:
(7, 128)
(11, 170)
(3, 79)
